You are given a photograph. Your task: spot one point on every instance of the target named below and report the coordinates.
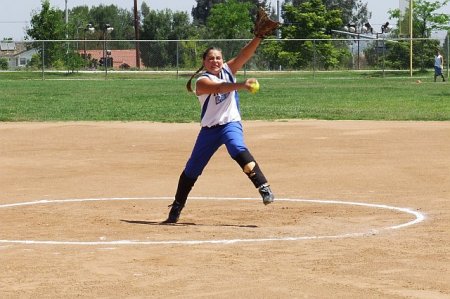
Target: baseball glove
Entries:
(264, 26)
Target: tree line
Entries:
(307, 20)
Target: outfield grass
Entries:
(142, 96)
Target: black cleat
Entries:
(174, 213)
(266, 194)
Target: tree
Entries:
(120, 19)
(352, 11)
(360, 14)
(309, 20)
(48, 24)
(3, 63)
(182, 29)
(230, 20)
(202, 10)
(397, 54)
(145, 10)
(163, 26)
(426, 20)
(78, 19)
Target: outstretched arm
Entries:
(244, 55)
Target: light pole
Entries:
(352, 29)
(66, 19)
(385, 28)
(89, 28)
(106, 29)
(366, 31)
(67, 26)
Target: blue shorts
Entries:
(208, 142)
(437, 71)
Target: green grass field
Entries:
(24, 96)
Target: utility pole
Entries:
(136, 32)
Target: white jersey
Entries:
(438, 61)
(219, 109)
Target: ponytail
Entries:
(189, 83)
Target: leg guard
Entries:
(185, 185)
(251, 168)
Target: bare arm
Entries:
(244, 55)
(207, 86)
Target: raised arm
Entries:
(244, 55)
(263, 27)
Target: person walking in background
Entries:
(438, 66)
(217, 91)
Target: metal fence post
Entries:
(448, 51)
(314, 59)
(384, 54)
(178, 56)
(42, 58)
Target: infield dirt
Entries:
(401, 164)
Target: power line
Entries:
(13, 22)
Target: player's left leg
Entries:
(234, 141)
(255, 174)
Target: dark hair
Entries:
(189, 83)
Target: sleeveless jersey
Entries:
(438, 60)
(219, 109)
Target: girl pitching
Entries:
(217, 91)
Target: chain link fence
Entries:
(310, 55)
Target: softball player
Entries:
(217, 91)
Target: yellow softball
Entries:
(254, 88)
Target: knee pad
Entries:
(251, 168)
(244, 158)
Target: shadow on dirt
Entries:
(186, 224)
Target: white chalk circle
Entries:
(418, 217)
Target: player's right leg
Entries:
(206, 145)
(185, 185)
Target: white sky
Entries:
(15, 15)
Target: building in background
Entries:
(16, 53)
(121, 59)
